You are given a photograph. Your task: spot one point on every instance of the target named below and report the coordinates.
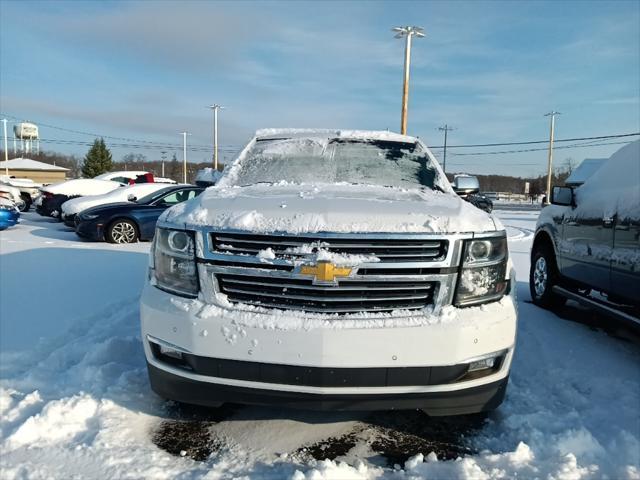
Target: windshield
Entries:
(153, 196)
(322, 161)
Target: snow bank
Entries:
(82, 186)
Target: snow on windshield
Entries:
(337, 160)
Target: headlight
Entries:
(482, 276)
(89, 216)
(174, 262)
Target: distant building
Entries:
(39, 172)
(583, 171)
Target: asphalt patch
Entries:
(187, 431)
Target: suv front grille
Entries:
(292, 246)
(348, 295)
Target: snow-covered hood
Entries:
(82, 186)
(330, 208)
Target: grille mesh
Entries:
(347, 295)
(386, 250)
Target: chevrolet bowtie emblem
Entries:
(325, 272)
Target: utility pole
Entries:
(445, 129)
(406, 32)
(6, 150)
(184, 156)
(552, 127)
(215, 107)
(163, 156)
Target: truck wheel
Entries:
(122, 231)
(543, 275)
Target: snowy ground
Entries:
(75, 402)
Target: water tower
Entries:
(27, 133)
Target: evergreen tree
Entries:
(97, 160)
(175, 173)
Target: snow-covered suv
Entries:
(335, 270)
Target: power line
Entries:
(476, 154)
(533, 142)
(79, 132)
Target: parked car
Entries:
(53, 196)
(131, 221)
(468, 187)
(13, 194)
(333, 270)
(588, 241)
(131, 193)
(29, 190)
(9, 213)
(127, 177)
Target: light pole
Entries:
(552, 127)
(6, 150)
(445, 129)
(184, 156)
(163, 155)
(406, 32)
(215, 107)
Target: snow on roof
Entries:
(326, 132)
(583, 171)
(28, 164)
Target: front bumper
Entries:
(90, 229)
(481, 398)
(69, 220)
(271, 359)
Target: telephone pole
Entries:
(163, 156)
(552, 127)
(184, 156)
(406, 32)
(6, 150)
(445, 129)
(215, 107)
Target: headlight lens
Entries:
(484, 267)
(174, 262)
(89, 216)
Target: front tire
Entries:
(122, 231)
(543, 275)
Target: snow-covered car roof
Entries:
(267, 133)
(123, 173)
(82, 186)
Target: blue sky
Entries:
(146, 71)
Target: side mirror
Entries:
(562, 196)
(466, 185)
(132, 198)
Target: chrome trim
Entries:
(157, 341)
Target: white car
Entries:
(29, 189)
(331, 270)
(12, 193)
(76, 205)
(122, 176)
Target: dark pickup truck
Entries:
(587, 242)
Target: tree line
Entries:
(99, 160)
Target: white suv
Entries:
(334, 270)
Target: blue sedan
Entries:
(131, 221)
(9, 214)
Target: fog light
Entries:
(482, 364)
(170, 352)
